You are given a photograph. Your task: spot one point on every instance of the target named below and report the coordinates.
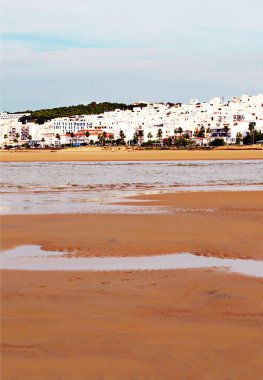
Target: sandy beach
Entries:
(223, 224)
(122, 154)
(185, 324)
(131, 190)
(137, 325)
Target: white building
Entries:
(215, 116)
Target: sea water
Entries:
(92, 187)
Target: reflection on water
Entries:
(88, 187)
(33, 258)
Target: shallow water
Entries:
(33, 258)
(89, 187)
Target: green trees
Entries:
(251, 128)
(87, 135)
(71, 138)
(226, 129)
(140, 136)
(159, 134)
(5, 138)
(217, 142)
(15, 140)
(257, 136)
(182, 141)
(102, 138)
(178, 131)
(111, 138)
(201, 132)
(122, 136)
(239, 138)
(43, 140)
(43, 115)
(150, 136)
(168, 141)
(135, 138)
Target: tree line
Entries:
(43, 115)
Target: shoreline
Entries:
(137, 324)
(129, 155)
(197, 222)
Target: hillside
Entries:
(43, 115)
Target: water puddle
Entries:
(33, 258)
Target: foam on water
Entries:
(92, 187)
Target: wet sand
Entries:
(137, 325)
(180, 324)
(98, 154)
(223, 224)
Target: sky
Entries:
(65, 52)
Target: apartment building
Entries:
(215, 116)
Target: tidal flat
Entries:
(155, 324)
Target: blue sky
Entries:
(63, 52)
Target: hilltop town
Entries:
(216, 122)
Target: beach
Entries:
(223, 224)
(125, 154)
(185, 324)
(136, 325)
(131, 190)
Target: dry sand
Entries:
(98, 154)
(181, 324)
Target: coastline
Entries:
(137, 324)
(123, 154)
(223, 224)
